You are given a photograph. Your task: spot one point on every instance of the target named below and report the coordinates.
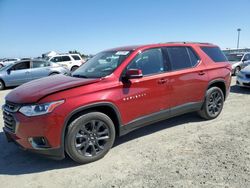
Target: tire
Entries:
(2, 85)
(213, 104)
(237, 70)
(1, 65)
(74, 68)
(89, 137)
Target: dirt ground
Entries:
(185, 151)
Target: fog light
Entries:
(38, 142)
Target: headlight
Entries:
(39, 109)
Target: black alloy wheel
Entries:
(89, 137)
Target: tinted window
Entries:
(76, 57)
(215, 54)
(40, 64)
(149, 61)
(21, 66)
(247, 57)
(56, 59)
(193, 57)
(179, 58)
(66, 58)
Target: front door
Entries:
(142, 97)
(19, 73)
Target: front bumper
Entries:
(27, 133)
(243, 82)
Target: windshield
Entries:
(234, 57)
(102, 64)
(6, 67)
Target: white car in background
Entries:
(69, 61)
(8, 61)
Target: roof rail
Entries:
(187, 42)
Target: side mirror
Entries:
(133, 73)
(8, 71)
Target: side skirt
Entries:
(160, 116)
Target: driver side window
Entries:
(21, 66)
(149, 61)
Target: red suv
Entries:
(115, 92)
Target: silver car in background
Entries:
(238, 61)
(24, 71)
(243, 77)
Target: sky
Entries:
(29, 28)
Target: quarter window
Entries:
(215, 54)
(149, 61)
(76, 57)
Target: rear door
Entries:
(187, 80)
(39, 69)
(19, 73)
(144, 96)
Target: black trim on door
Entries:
(159, 116)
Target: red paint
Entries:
(142, 97)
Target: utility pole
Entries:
(238, 41)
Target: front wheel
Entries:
(213, 103)
(90, 137)
(237, 70)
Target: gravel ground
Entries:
(180, 152)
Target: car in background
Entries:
(70, 61)
(7, 61)
(24, 71)
(243, 77)
(238, 61)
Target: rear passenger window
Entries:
(215, 54)
(149, 61)
(76, 57)
(66, 58)
(179, 58)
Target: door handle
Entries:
(201, 73)
(162, 81)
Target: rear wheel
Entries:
(74, 68)
(2, 86)
(213, 103)
(90, 137)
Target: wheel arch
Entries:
(2, 80)
(54, 72)
(105, 107)
(220, 84)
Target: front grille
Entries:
(9, 121)
(11, 107)
(247, 75)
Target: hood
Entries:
(246, 69)
(33, 91)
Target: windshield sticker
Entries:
(122, 53)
